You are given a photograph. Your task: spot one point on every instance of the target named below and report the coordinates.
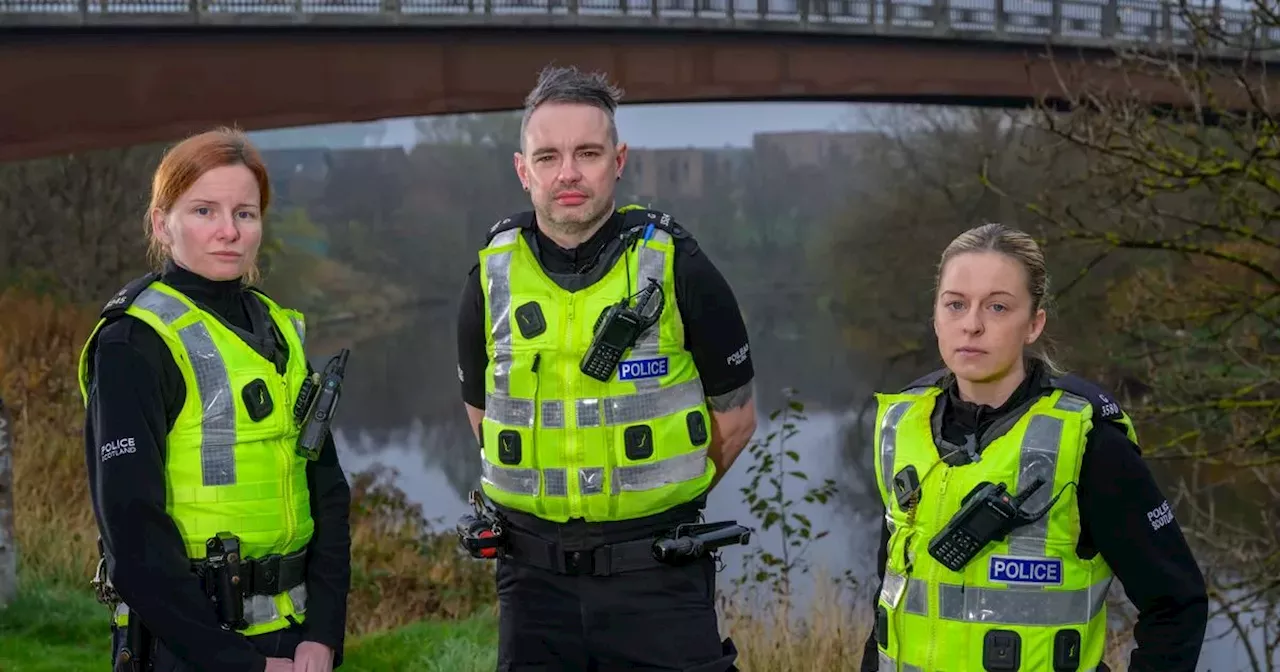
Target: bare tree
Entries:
(73, 224)
(1190, 198)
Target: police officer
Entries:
(190, 379)
(957, 593)
(605, 371)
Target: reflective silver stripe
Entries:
(258, 609)
(637, 477)
(887, 664)
(498, 270)
(165, 307)
(916, 591)
(557, 482)
(588, 412)
(651, 264)
(1020, 606)
(591, 480)
(213, 387)
(620, 410)
(889, 440)
(917, 597)
(300, 327)
(553, 414)
(508, 410)
(630, 478)
(1071, 403)
(514, 480)
(1038, 458)
(647, 405)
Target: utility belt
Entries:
(488, 535)
(228, 579)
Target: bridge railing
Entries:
(1087, 22)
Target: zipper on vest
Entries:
(933, 575)
(290, 525)
(569, 441)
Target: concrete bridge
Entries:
(97, 73)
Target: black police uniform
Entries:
(1116, 490)
(572, 618)
(136, 390)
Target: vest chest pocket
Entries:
(509, 449)
(257, 400)
(638, 441)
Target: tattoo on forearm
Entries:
(732, 400)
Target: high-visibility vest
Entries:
(224, 470)
(1028, 597)
(559, 444)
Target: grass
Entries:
(51, 629)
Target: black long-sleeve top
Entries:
(1124, 516)
(135, 395)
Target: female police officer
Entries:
(190, 380)
(974, 577)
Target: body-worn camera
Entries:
(989, 514)
(316, 405)
(481, 534)
(222, 579)
(690, 542)
(617, 329)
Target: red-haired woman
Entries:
(225, 549)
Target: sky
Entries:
(650, 126)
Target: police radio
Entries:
(317, 404)
(988, 514)
(617, 329)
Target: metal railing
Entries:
(1090, 23)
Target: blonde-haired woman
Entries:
(1014, 493)
(190, 379)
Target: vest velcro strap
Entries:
(627, 409)
(605, 560)
(1008, 606)
(633, 477)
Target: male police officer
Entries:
(605, 370)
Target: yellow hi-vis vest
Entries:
(224, 471)
(559, 444)
(1024, 599)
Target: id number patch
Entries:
(636, 369)
(1031, 571)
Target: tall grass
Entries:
(402, 571)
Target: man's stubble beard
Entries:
(574, 227)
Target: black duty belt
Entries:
(604, 560)
(270, 574)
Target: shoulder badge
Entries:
(636, 216)
(932, 379)
(521, 220)
(1104, 405)
(124, 298)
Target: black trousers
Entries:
(658, 619)
(278, 644)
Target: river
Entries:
(400, 408)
